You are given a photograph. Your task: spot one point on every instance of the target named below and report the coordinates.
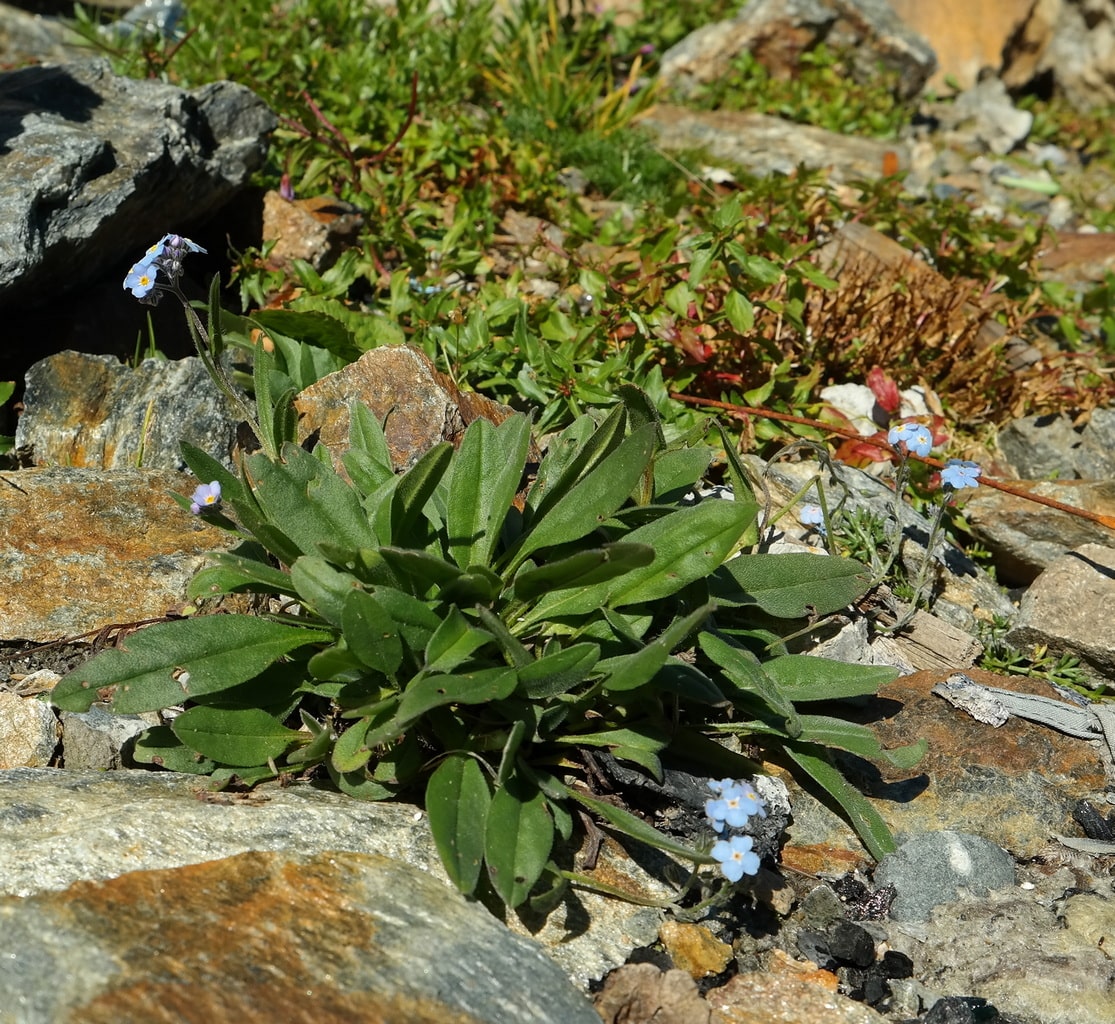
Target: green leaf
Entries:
(630, 671)
(593, 499)
(309, 502)
(322, 588)
(557, 673)
(739, 311)
(240, 737)
(583, 569)
(858, 739)
(160, 747)
(518, 839)
(350, 752)
(454, 642)
(420, 569)
(679, 469)
(170, 662)
(312, 328)
(802, 677)
(744, 670)
(457, 802)
(413, 491)
(236, 575)
(688, 543)
(371, 633)
(867, 821)
(791, 585)
(486, 475)
(477, 687)
(366, 437)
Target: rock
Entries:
(94, 412)
(82, 550)
(983, 116)
(638, 993)
(92, 161)
(1050, 447)
(28, 732)
(1078, 258)
(1068, 610)
(761, 998)
(1025, 538)
(132, 820)
(1014, 950)
(1080, 58)
(292, 937)
(99, 739)
(1015, 785)
(26, 38)
(316, 230)
(764, 145)
(399, 384)
(776, 33)
(694, 949)
(929, 870)
(968, 37)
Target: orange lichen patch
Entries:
(694, 949)
(820, 859)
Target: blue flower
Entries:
(918, 439)
(736, 858)
(812, 515)
(958, 473)
(205, 496)
(141, 278)
(737, 802)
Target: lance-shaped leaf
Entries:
(479, 687)
(594, 498)
(234, 574)
(804, 677)
(519, 835)
(454, 642)
(413, 491)
(791, 585)
(583, 569)
(486, 474)
(858, 739)
(322, 588)
(559, 672)
(239, 737)
(633, 826)
(371, 633)
(743, 669)
(160, 747)
(457, 802)
(168, 663)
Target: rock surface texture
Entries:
(89, 162)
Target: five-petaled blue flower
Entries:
(735, 802)
(205, 496)
(917, 438)
(958, 473)
(812, 515)
(736, 858)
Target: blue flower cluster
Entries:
(732, 805)
(918, 439)
(163, 258)
(812, 515)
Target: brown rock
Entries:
(642, 994)
(968, 37)
(782, 963)
(400, 384)
(83, 549)
(1078, 258)
(316, 230)
(780, 999)
(694, 949)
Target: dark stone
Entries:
(962, 1010)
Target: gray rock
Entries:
(931, 869)
(59, 827)
(94, 166)
(1068, 609)
(28, 732)
(97, 738)
(95, 412)
(298, 938)
(984, 116)
(1033, 952)
(1049, 447)
(776, 31)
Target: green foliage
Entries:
(447, 635)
